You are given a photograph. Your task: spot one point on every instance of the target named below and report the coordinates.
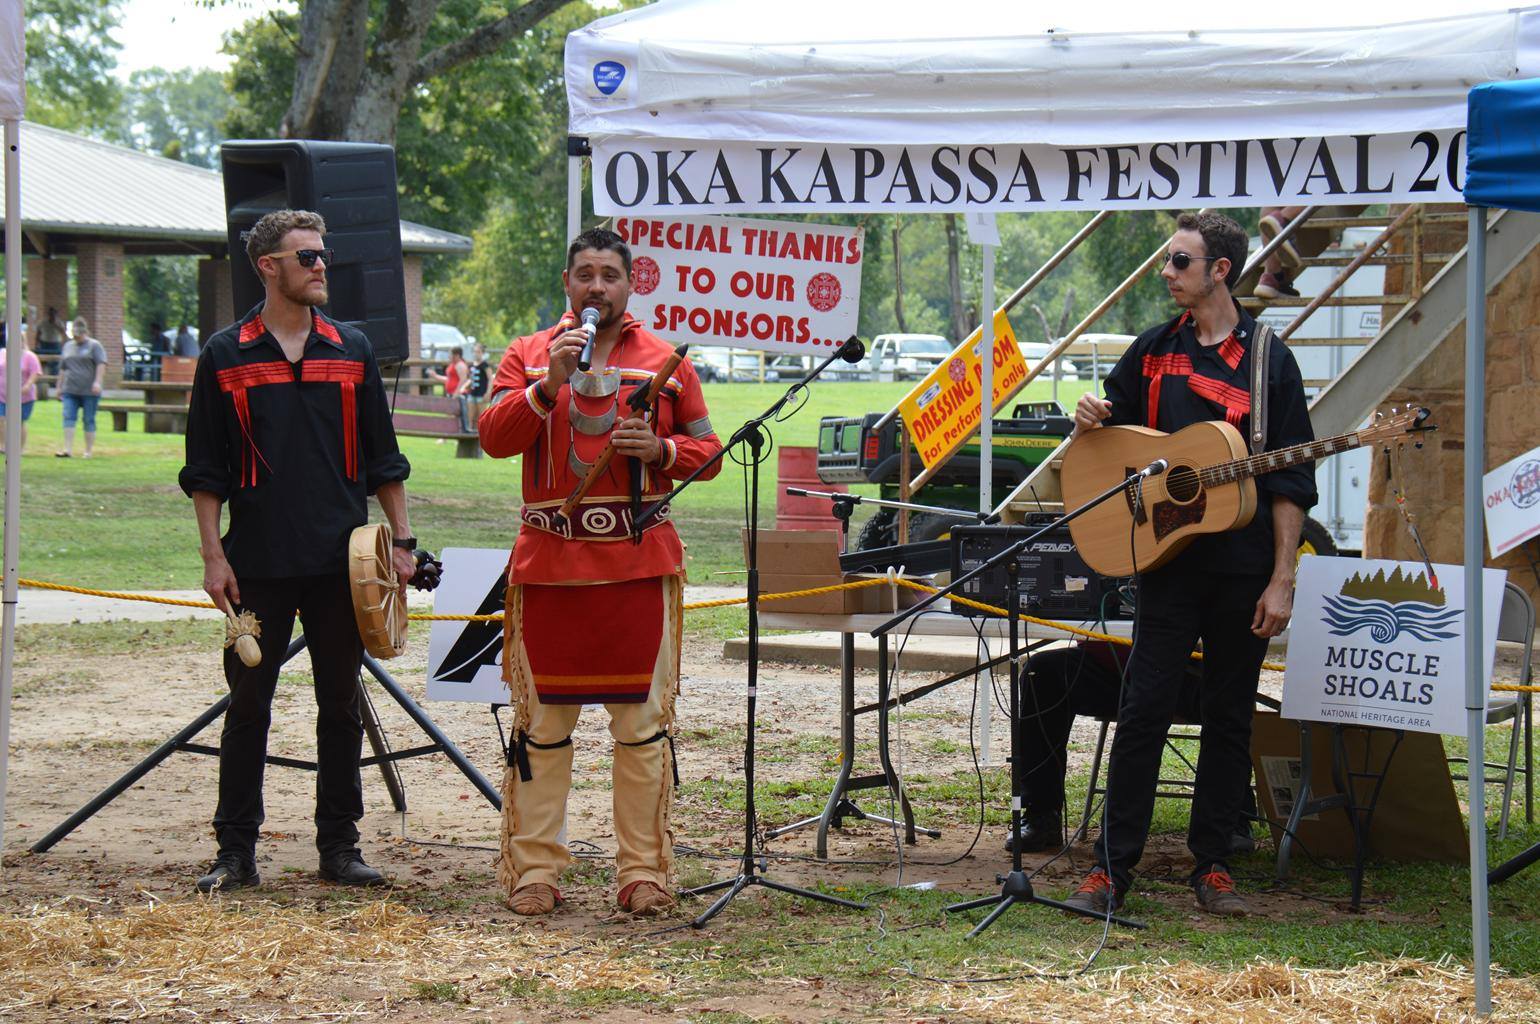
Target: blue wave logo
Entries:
(1386, 621)
(608, 74)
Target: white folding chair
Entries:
(1515, 624)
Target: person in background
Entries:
(454, 379)
(185, 344)
(82, 365)
(476, 384)
(51, 337)
(30, 369)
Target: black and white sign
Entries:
(465, 658)
(689, 177)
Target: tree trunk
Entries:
(898, 278)
(962, 323)
(349, 86)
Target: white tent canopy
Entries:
(727, 81)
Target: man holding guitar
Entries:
(1232, 590)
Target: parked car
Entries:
(716, 364)
(439, 339)
(1034, 351)
(1092, 355)
(898, 357)
(138, 362)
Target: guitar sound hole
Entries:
(1182, 483)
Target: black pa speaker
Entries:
(353, 186)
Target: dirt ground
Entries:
(78, 726)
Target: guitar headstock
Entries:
(1397, 427)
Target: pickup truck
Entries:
(852, 451)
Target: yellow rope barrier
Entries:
(719, 603)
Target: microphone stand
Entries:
(752, 435)
(1016, 887)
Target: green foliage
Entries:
(70, 54)
(177, 114)
(159, 290)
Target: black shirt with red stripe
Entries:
(1166, 380)
(294, 448)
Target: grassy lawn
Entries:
(120, 521)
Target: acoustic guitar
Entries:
(1206, 487)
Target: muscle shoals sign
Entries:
(780, 286)
(1382, 643)
(693, 176)
(942, 411)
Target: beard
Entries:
(307, 293)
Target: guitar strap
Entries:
(1260, 343)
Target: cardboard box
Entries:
(804, 559)
(1417, 817)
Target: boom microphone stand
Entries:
(1016, 887)
(752, 435)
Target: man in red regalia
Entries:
(591, 617)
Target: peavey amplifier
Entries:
(1054, 582)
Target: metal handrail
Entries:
(1031, 283)
(1346, 272)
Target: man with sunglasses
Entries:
(289, 424)
(1233, 591)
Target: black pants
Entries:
(1085, 679)
(1176, 608)
(326, 614)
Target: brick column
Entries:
(411, 265)
(99, 283)
(216, 299)
(48, 284)
(1434, 477)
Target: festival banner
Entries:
(1381, 643)
(675, 177)
(1511, 496)
(780, 286)
(465, 658)
(942, 411)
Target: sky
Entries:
(176, 34)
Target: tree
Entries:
(358, 62)
(70, 56)
(177, 114)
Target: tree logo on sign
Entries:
(823, 292)
(644, 275)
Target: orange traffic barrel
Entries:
(797, 466)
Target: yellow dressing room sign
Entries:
(942, 412)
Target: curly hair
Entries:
(1221, 237)
(267, 234)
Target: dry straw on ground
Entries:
(75, 960)
(257, 960)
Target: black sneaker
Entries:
(1276, 286)
(1094, 892)
(1216, 894)
(1037, 835)
(230, 871)
(349, 869)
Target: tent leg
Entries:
(1475, 664)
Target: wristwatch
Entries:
(406, 543)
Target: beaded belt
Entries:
(595, 519)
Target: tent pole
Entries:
(1475, 664)
(987, 387)
(574, 195)
(12, 444)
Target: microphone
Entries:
(852, 351)
(1155, 468)
(590, 317)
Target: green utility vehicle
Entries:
(853, 450)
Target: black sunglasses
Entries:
(307, 257)
(1180, 260)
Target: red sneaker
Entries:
(1094, 894)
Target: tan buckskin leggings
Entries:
(643, 776)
